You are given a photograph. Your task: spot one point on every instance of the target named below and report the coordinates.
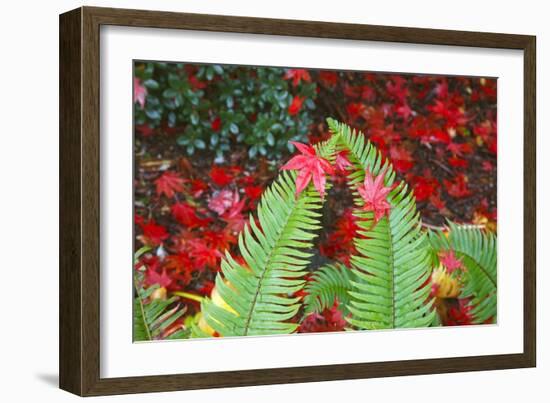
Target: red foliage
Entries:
(153, 234)
(297, 75)
(450, 261)
(328, 78)
(458, 187)
(169, 183)
(458, 315)
(253, 192)
(220, 176)
(437, 132)
(187, 216)
(216, 124)
(330, 320)
(374, 194)
(424, 187)
(295, 105)
(153, 277)
(339, 243)
(401, 158)
(342, 162)
(311, 167)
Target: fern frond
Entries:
(390, 288)
(153, 314)
(362, 154)
(256, 298)
(478, 251)
(328, 284)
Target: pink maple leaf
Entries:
(311, 167)
(374, 194)
(450, 261)
(342, 161)
(140, 92)
(221, 201)
(153, 277)
(233, 216)
(404, 111)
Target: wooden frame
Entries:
(79, 200)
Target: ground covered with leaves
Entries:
(209, 140)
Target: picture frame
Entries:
(80, 154)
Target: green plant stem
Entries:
(188, 295)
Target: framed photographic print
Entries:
(251, 201)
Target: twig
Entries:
(442, 166)
(443, 228)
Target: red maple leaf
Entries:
(145, 130)
(450, 261)
(220, 176)
(153, 277)
(197, 187)
(196, 84)
(459, 149)
(459, 314)
(442, 89)
(352, 91)
(169, 183)
(148, 260)
(216, 124)
(153, 233)
(404, 111)
(397, 88)
(437, 202)
(401, 157)
(220, 240)
(375, 194)
(329, 78)
(202, 254)
(206, 288)
(368, 93)
(330, 320)
(376, 117)
(180, 267)
(311, 167)
(458, 187)
(186, 215)
(139, 220)
(458, 162)
(140, 92)
(253, 192)
(384, 135)
(295, 105)
(297, 75)
(356, 109)
(424, 187)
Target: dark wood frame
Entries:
(79, 200)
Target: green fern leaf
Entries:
(393, 261)
(478, 251)
(256, 298)
(328, 284)
(152, 316)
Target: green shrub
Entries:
(218, 107)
